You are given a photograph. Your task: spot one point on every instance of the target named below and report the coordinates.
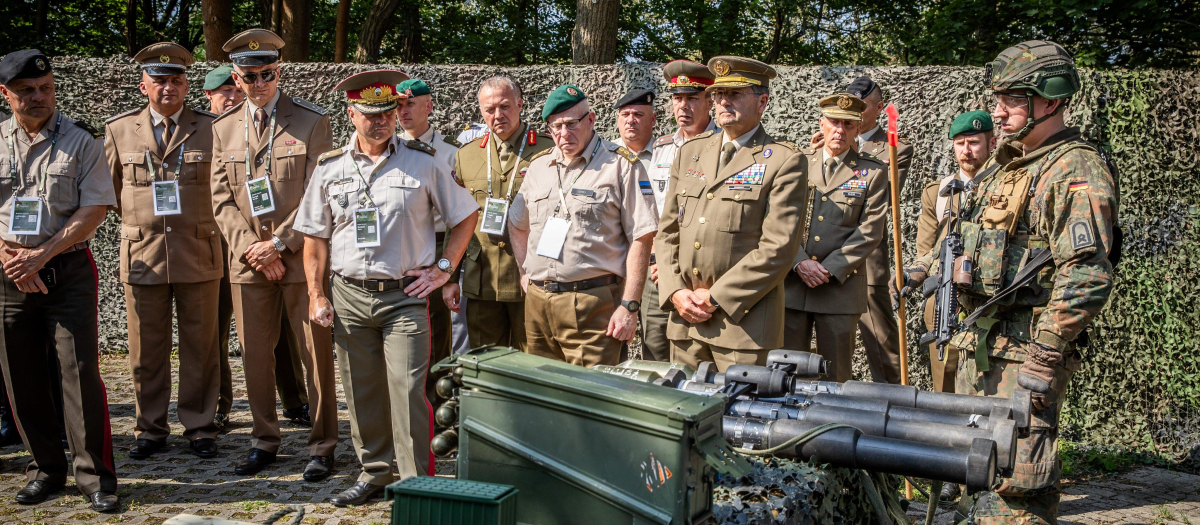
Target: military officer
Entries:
(492, 167)
(159, 156)
(692, 109)
(880, 332)
(223, 95)
(59, 192)
(264, 151)
(414, 108)
(847, 192)
(582, 230)
(727, 231)
(1057, 191)
(371, 204)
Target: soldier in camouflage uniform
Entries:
(1052, 190)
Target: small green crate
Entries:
(448, 501)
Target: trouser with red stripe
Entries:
(63, 321)
(382, 343)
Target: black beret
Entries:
(26, 63)
(640, 97)
(861, 87)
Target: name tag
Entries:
(166, 198)
(740, 187)
(852, 193)
(583, 192)
(26, 216)
(366, 228)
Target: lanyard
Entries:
(366, 184)
(12, 155)
(562, 193)
(513, 176)
(270, 139)
(178, 163)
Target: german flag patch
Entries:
(1078, 185)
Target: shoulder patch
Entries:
(119, 116)
(205, 113)
(451, 141)
(1081, 235)
(88, 128)
(664, 140)
(231, 110)
(329, 155)
(420, 146)
(309, 106)
(624, 152)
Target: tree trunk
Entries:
(131, 39)
(276, 16)
(594, 40)
(379, 20)
(295, 23)
(39, 23)
(218, 28)
(342, 39)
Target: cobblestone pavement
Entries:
(175, 481)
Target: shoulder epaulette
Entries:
(474, 140)
(205, 113)
(309, 106)
(540, 153)
(871, 158)
(420, 146)
(451, 141)
(118, 116)
(231, 110)
(329, 155)
(88, 128)
(624, 152)
(704, 135)
(664, 140)
(789, 145)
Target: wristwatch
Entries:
(279, 245)
(632, 306)
(444, 265)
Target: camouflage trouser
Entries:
(1031, 495)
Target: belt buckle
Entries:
(380, 285)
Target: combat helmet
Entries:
(1039, 66)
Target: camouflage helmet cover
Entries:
(1036, 65)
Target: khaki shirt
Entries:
(880, 263)
(183, 248)
(406, 187)
(444, 149)
(933, 209)
(847, 222)
(733, 232)
(302, 134)
(659, 171)
(74, 175)
(605, 206)
(644, 185)
(490, 270)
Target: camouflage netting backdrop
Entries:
(1139, 389)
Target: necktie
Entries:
(505, 155)
(260, 120)
(830, 167)
(168, 130)
(727, 152)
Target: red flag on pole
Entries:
(893, 118)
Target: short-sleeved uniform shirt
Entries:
(603, 201)
(444, 151)
(406, 187)
(74, 175)
(644, 157)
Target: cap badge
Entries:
(683, 79)
(977, 124)
(408, 92)
(253, 45)
(572, 92)
(165, 59)
(844, 102)
(377, 95)
(379, 92)
(41, 64)
(721, 67)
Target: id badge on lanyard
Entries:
(495, 216)
(366, 228)
(26, 216)
(166, 198)
(261, 199)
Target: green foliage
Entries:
(66, 28)
(1081, 461)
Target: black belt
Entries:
(576, 286)
(439, 237)
(379, 285)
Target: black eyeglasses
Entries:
(268, 75)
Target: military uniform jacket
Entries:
(732, 232)
(302, 134)
(846, 224)
(933, 212)
(490, 270)
(184, 248)
(879, 263)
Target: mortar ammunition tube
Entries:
(909, 396)
(658, 367)
(973, 465)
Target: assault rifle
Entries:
(945, 319)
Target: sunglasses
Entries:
(268, 75)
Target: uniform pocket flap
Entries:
(290, 151)
(403, 181)
(131, 233)
(691, 190)
(474, 249)
(133, 157)
(60, 169)
(848, 197)
(234, 156)
(206, 230)
(742, 192)
(538, 194)
(341, 186)
(196, 156)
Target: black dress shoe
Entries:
(205, 447)
(360, 493)
(299, 415)
(37, 491)
(104, 502)
(255, 461)
(144, 448)
(221, 421)
(950, 493)
(319, 468)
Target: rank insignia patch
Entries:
(1081, 235)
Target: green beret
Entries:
(970, 123)
(563, 97)
(218, 77)
(413, 87)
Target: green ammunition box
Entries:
(587, 447)
(447, 501)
